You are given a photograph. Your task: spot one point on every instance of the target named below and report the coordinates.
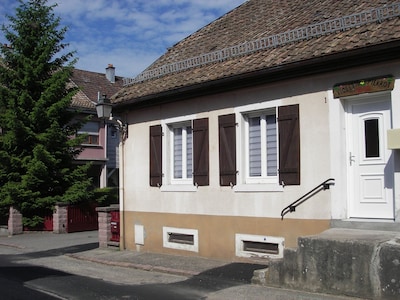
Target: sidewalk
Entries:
(84, 246)
(177, 265)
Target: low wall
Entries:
(104, 217)
(14, 222)
(358, 263)
(60, 218)
(60, 221)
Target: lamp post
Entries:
(104, 111)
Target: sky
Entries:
(130, 34)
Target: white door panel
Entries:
(370, 163)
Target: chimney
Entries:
(110, 73)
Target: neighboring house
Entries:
(243, 117)
(101, 145)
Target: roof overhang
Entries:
(323, 64)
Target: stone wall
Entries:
(358, 263)
(14, 222)
(60, 218)
(104, 215)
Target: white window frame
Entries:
(171, 184)
(264, 178)
(186, 179)
(245, 182)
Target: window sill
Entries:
(178, 188)
(91, 146)
(269, 187)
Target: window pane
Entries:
(90, 127)
(177, 152)
(90, 140)
(371, 128)
(272, 161)
(254, 147)
(94, 139)
(189, 152)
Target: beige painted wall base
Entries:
(216, 234)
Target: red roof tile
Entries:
(90, 83)
(262, 18)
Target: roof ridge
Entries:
(379, 15)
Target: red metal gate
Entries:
(82, 218)
(48, 223)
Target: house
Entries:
(272, 101)
(102, 141)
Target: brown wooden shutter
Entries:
(289, 145)
(200, 152)
(155, 155)
(227, 150)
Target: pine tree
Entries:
(37, 147)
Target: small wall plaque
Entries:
(362, 86)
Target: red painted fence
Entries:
(82, 218)
(79, 218)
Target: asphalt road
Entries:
(51, 275)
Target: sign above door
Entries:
(370, 85)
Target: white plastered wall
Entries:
(217, 200)
(323, 155)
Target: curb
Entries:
(12, 246)
(142, 267)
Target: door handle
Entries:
(351, 159)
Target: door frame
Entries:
(348, 102)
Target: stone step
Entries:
(352, 262)
(366, 224)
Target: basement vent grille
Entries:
(261, 247)
(299, 34)
(248, 245)
(181, 238)
(187, 239)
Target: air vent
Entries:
(181, 238)
(259, 246)
(187, 239)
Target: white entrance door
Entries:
(370, 162)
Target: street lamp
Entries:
(104, 109)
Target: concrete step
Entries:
(351, 262)
(365, 224)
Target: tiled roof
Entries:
(90, 83)
(261, 18)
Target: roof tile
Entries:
(261, 18)
(90, 83)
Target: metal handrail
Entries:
(321, 187)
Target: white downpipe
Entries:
(121, 189)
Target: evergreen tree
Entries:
(37, 147)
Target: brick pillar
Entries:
(104, 217)
(14, 222)
(60, 218)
